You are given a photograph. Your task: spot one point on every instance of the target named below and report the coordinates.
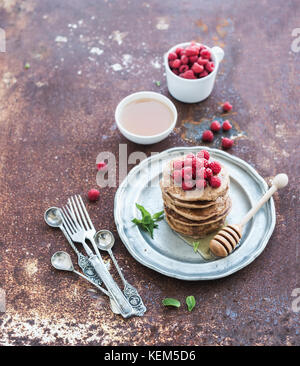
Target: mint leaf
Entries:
(168, 301)
(191, 302)
(196, 245)
(147, 222)
(158, 215)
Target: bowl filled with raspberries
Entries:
(191, 70)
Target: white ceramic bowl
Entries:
(192, 90)
(139, 139)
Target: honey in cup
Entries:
(146, 117)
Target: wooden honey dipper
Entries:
(227, 238)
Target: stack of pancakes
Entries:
(198, 212)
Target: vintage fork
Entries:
(80, 228)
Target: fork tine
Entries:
(69, 219)
(82, 214)
(77, 213)
(72, 214)
(65, 223)
(86, 213)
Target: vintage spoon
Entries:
(63, 262)
(227, 238)
(105, 241)
(53, 218)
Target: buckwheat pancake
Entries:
(195, 232)
(200, 214)
(191, 204)
(187, 222)
(207, 194)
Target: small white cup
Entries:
(139, 139)
(192, 90)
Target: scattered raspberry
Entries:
(201, 183)
(102, 165)
(207, 136)
(93, 194)
(177, 176)
(215, 181)
(177, 164)
(172, 56)
(187, 186)
(227, 143)
(227, 107)
(215, 166)
(187, 173)
(209, 173)
(226, 125)
(203, 154)
(215, 126)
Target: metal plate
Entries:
(167, 253)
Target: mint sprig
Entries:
(191, 302)
(148, 221)
(169, 301)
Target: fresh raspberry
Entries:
(205, 53)
(179, 51)
(209, 66)
(183, 68)
(177, 164)
(201, 173)
(190, 156)
(93, 194)
(193, 59)
(215, 181)
(197, 68)
(226, 125)
(215, 126)
(187, 173)
(202, 163)
(189, 74)
(184, 60)
(209, 173)
(191, 51)
(187, 186)
(227, 143)
(202, 61)
(177, 176)
(102, 165)
(227, 107)
(203, 154)
(175, 71)
(176, 63)
(207, 136)
(171, 64)
(203, 74)
(188, 162)
(215, 166)
(172, 56)
(201, 183)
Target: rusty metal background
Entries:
(58, 114)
